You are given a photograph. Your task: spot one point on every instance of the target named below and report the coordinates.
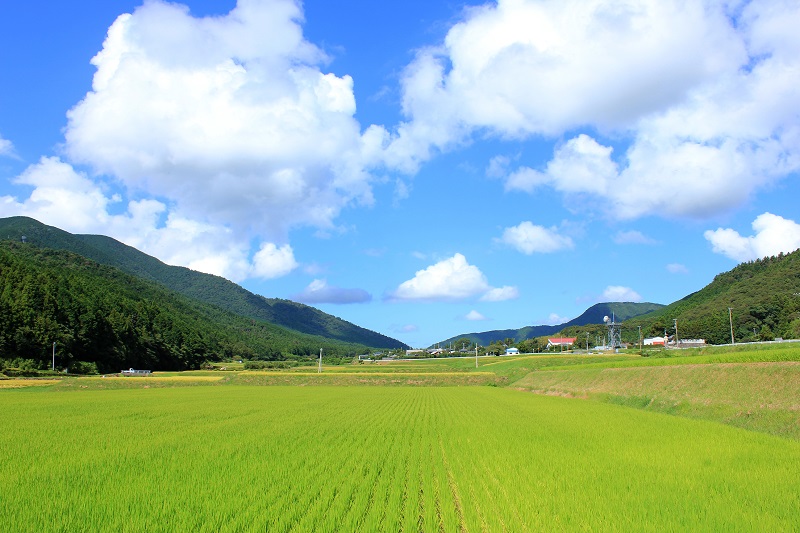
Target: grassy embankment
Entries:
(753, 387)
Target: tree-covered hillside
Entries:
(99, 314)
(763, 295)
(207, 288)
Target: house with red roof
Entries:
(564, 342)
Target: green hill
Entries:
(593, 315)
(763, 295)
(99, 315)
(206, 288)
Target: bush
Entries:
(82, 367)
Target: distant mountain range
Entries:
(763, 297)
(593, 315)
(206, 288)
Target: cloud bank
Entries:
(716, 125)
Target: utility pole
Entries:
(54, 357)
(587, 343)
(640, 340)
(730, 318)
(476, 355)
(676, 331)
(320, 362)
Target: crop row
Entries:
(378, 459)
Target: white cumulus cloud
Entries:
(230, 116)
(272, 261)
(618, 293)
(450, 279)
(704, 94)
(773, 235)
(529, 238)
(518, 68)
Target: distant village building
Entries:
(512, 351)
(654, 341)
(691, 343)
(564, 342)
(132, 372)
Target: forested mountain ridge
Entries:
(763, 295)
(97, 314)
(593, 315)
(207, 288)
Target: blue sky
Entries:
(422, 169)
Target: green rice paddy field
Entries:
(240, 453)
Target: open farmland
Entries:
(322, 458)
(413, 446)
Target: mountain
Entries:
(763, 295)
(213, 290)
(593, 315)
(54, 303)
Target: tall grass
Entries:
(379, 459)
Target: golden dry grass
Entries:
(19, 383)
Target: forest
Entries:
(102, 319)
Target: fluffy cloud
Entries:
(519, 67)
(68, 199)
(272, 261)
(717, 125)
(229, 116)
(319, 292)
(474, 316)
(529, 239)
(617, 293)
(451, 279)
(773, 235)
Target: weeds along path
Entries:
(477, 458)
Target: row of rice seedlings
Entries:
(378, 459)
